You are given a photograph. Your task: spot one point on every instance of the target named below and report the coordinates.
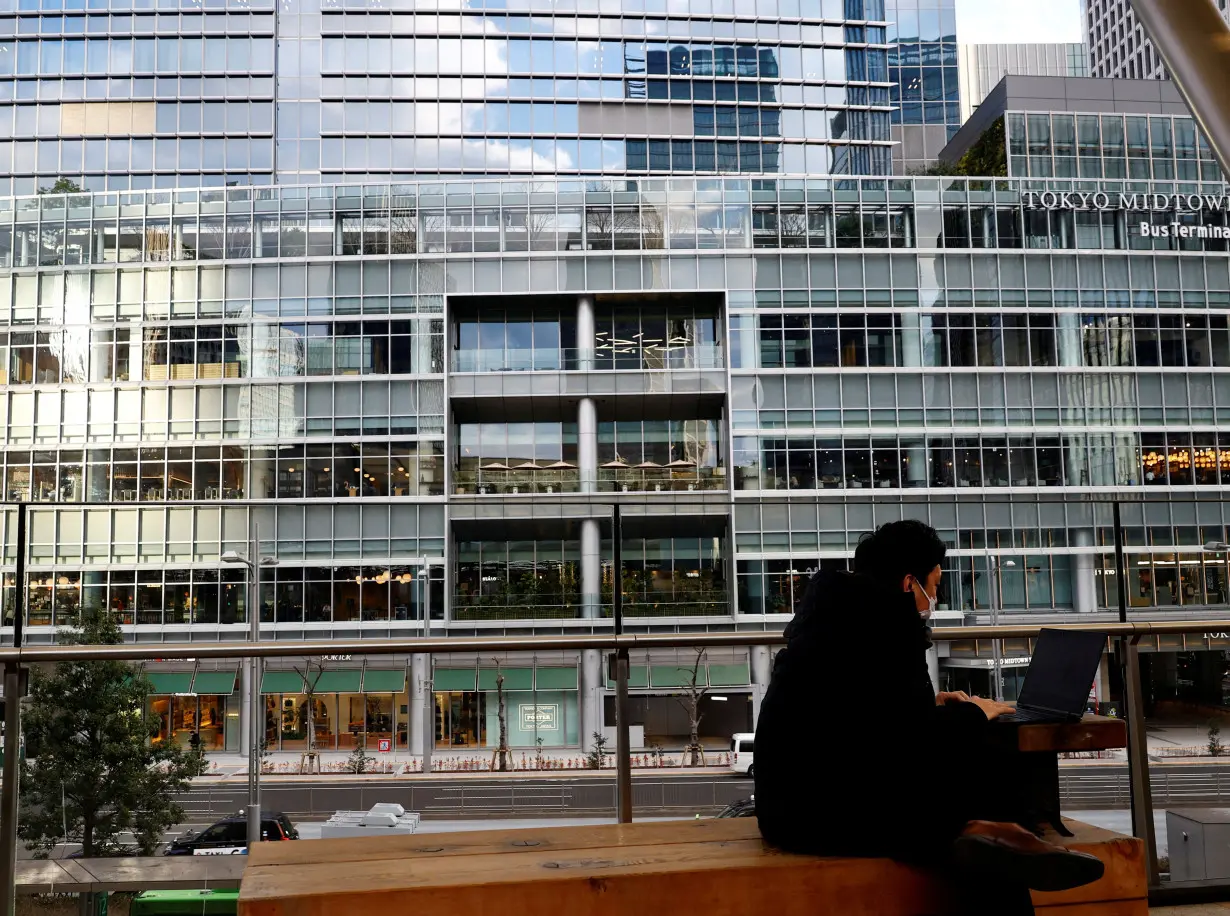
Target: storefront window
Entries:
(176, 718)
(461, 720)
(379, 718)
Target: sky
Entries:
(1004, 21)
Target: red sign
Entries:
(385, 745)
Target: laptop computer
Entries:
(1062, 670)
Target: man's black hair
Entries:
(899, 549)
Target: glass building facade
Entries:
(139, 95)
(427, 396)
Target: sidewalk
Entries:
(402, 763)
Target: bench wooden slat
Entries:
(482, 842)
(718, 866)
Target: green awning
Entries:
(339, 680)
(214, 683)
(556, 679)
(454, 679)
(730, 675)
(638, 676)
(675, 675)
(170, 681)
(384, 680)
(514, 678)
(282, 682)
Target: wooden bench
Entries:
(707, 866)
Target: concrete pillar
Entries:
(933, 667)
(1101, 683)
(420, 696)
(585, 332)
(591, 569)
(245, 716)
(592, 685)
(587, 445)
(761, 658)
(1084, 585)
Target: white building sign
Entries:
(543, 717)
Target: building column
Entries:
(587, 445)
(420, 696)
(245, 713)
(592, 684)
(1084, 586)
(585, 332)
(933, 667)
(1101, 684)
(591, 569)
(592, 680)
(762, 671)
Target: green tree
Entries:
(97, 775)
(987, 158)
(63, 186)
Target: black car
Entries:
(230, 836)
(745, 807)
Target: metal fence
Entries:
(668, 794)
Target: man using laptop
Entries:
(857, 756)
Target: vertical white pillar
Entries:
(585, 332)
(420, 696)
(592, 684)
(761, 659)
(587, 445)
(591, 569)
(1084, 586)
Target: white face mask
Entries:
(932, 600)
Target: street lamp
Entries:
(255, 719)
(995, 583)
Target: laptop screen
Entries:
(1064, 665)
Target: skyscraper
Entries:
(1118, 46)
(984, 65)
(922, 66)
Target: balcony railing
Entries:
(708, 602)
(602, 360)
(630, 479)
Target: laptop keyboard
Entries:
(1027, 715)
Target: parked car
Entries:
(229, 836)
(742, 745)
(745, 807)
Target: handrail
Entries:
(29, 654)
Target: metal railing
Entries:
(15, 658)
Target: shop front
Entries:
(349, 708)
(659, 702)
(204, 703)
(540, 705)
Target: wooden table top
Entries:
(1092, 733)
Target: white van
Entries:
(741, 747)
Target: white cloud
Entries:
(1012, 21)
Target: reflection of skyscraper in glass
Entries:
(922, 65)
(153, 99)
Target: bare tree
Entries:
(310, 673)
(793, 226)
(502, 758)
(693, 693)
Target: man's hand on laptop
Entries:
(992, 709)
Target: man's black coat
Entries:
(853, 756)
